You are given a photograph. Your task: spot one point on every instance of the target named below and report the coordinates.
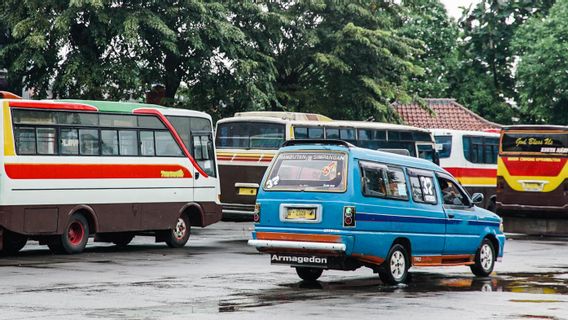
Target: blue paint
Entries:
(432, 228)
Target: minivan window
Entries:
(308, 171)
(382, 181)
(452, 194)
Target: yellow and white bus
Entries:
(247, 142)
(70, 169)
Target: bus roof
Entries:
(284, 115)
(129, 107)
(372, 155)
(448, 132)
(535, 127)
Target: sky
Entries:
(453, 6)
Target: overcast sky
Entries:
(453, 6)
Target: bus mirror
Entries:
(477, 198)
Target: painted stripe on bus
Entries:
(472, 172)
(95, 171)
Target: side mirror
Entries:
(477, 198)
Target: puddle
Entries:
(420, 283)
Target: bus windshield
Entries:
(535, 142)
(250, 135)
(308, 171)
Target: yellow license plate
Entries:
(303, 214)
(247, 191)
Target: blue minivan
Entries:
(330, 205)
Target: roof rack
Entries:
(331, 142)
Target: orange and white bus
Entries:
(471, 157)
(532, 179)
(74, 169)
(247, 142)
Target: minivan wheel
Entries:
(394, 269)
(309, 274)
(484, 259)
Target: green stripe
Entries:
(112, 106)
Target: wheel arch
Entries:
(405, 242)
(89, 213)
(494, 241)
(194, 212)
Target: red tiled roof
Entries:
(448, 114)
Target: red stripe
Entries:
(527, 168)
(176, 136)
(472, 172)
(92, 171)
(52, 105)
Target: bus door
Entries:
(462, 233)
(204, 153)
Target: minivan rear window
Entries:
(308, 171)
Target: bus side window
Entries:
(25, 140)
(109, 142)
(128, 142)
(166, 145)
(69, 141)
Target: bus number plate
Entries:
(301, 214)
(247, 191)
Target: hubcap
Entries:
(398, 265)
(75, 233)
(180, 229)
(486, 257)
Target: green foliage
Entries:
(483, 79)
(542, 72)
(428, 21)
(342, 59)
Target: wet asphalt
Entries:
(218, 276)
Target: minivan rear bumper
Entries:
(300, 245)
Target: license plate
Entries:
(247, 191)
(298, 260)
(301, 214)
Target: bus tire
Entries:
(394, 269)
(309, 274)
(484, 259)
(74, 237)
(13, 242)
(178, 236)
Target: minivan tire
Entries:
(484, 259)
(309, 274)
(394, 269)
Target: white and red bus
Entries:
(247, 143)
(471, 157)
(112, 170)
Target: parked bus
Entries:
(248, 141)
(471, 157)
(532, 179)
(71, 169)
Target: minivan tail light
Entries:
(256, 214)
(348, 216)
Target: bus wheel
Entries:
(122, 240)
(74, 237)
(309, 274)
(13, 242)
(395, 268)
(177, 237)
(484, 259)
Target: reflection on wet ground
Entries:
(420, 283)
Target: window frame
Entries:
(484, 144)
(460, 188)
(367, 164)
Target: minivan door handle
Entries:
(451, 215)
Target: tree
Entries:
(484, 80)
(428, 21)
(342, 59)
(542, 72)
